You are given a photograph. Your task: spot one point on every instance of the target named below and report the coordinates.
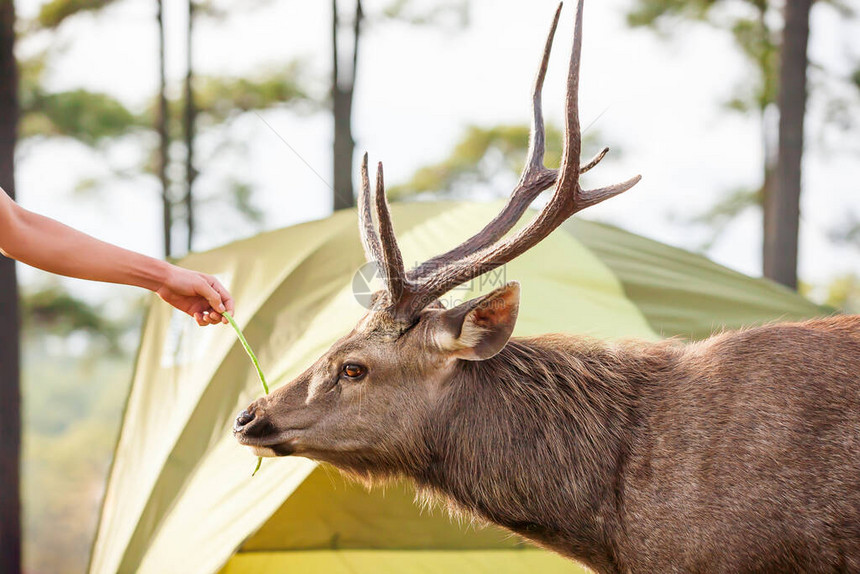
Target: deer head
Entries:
(362, 405)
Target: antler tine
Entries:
(392, 261)
(369, 237)
(595, 196)
(567, 199)
(535, 178)
(573, 141)
(569, 177)
(594, 161)
(537, 138)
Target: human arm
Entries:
(51, 246)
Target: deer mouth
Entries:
(282, 443)
(276, 450)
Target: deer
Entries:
(739, 453)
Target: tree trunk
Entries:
(189, 119)
(341, 95)
(344, 148)
(780, 256)
(162, 127)
(10, 393)
(770, 135)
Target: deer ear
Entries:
(479, 328)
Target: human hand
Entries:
(200, 295)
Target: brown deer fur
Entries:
(737, 454)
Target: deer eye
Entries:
(353, 371)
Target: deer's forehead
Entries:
(378, 325)
(370, 335)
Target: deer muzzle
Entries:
(257, 427)
(252, 423)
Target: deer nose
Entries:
(242, 420)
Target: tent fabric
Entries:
(684, 294)
(400, 561)
(332, 513)
(180, 497)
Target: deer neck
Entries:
(534, 438)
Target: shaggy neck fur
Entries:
(534, 439)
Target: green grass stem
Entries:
(254, 360)
(248, 350)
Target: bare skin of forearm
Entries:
(51, 246)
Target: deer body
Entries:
(737, 454)
(658, 458)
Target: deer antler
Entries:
(369, 238)
(535, 178)
(483, 252)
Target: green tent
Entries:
(180, 496)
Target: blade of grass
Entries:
(248, 350)
(254, 360)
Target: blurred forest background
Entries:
(206, 137)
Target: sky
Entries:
(657, 100)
